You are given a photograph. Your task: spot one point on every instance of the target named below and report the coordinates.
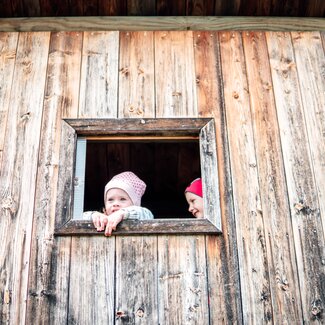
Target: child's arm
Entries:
(136, 212)
(109, 223)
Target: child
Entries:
(194, 197)
(122, 199)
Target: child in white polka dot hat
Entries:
(122, 199)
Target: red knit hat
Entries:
(195, 187)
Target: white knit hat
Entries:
(130, 183)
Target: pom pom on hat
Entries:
(195, 187)
(130, 183)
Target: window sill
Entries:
(137, 227)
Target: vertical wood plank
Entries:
(18, 172)
(136, 280)
(182, 280)
(199, 8)
(310, 60)
(112, 7)
(171, 8)
(302, 190)
(278, 236)
(136, 256)
(75, 8)
(92, 281)
(98, 98)
(254, 275)
(222, 258)
(99, 75)
(136, 75)
(90, 8)
(175, 76)
(5, 10)
(141, 7)
(50, 258)
(57, 8)
(31, 8)
(8, 46)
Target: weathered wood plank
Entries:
(92, 281)
(175, 82)
(254, 275)
(99, 75)
(8, 45)
(141, 127)
(49, 271)
(54, 8)
(131, 227)
(136, 256)
(200, 8)
(310, 60)
(302, 190)
(322, 34)
(222, 259)
(170, 7)
(166, 23)
(112, 7)
(5, 9)
(136, 280)
(141, 7)
(277, 237)
(18, 172)
(31, 8)
(136, 75)
(182, 280)
(90, 8)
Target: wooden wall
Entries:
(54, 8)
(266, 91)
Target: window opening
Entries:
(166, 166)
(166, 153)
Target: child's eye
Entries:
(123, 199)
(110, 200)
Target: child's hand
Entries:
(113, 220)
(109, 223)
(99, 220)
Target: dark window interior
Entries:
(166, 166)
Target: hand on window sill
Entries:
(108, 223)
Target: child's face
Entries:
(116, 199)
(195, 204)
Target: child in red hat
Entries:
(122, 199)
(194, 198)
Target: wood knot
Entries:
(140, 312)
(317, 309)
(120, 314)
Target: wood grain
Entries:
(92, 281)
(18, 172)
(300, 176)
(222, 258)
(310, 56)
(99, 75)
(253, 267)
(175, 84)
(23, 8)
(48, 265)
(8, 46)
(136, 75)
(166, 23)
(136, 280)
(278, 237)
(182, 280)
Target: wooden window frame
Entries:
(161, 128)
